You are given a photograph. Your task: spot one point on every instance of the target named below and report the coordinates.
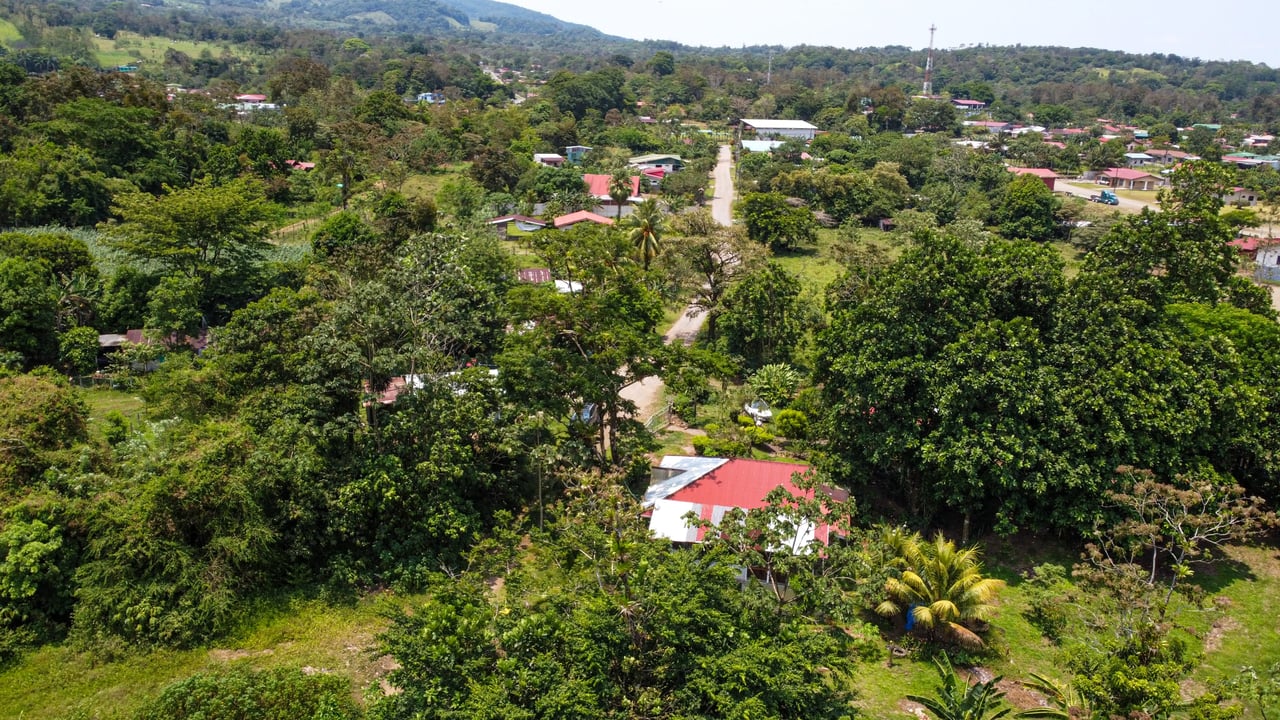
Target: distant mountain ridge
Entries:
(486, 16)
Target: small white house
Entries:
(551, 159)
(1137, 159)
(780, 128)
(1242, 197)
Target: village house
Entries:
(550, 159)
(575, 154)
(567, 221)
(598, 188)
(1045, 174)
(1241, 197)
(665, 163)
(1129, 179)
(710, 487)
(968, 107)
(1138, 159)
(521, 223)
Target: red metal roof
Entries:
(745, 484)
(534, 275)
(583, 216)
(1127, 174)
(598, 185)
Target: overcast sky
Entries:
(1237, 30)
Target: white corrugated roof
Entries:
(761, 145)
(762, 124)
(693, 467)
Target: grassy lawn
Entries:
(1246, 589)
(817, 265)
(59, 681)
(128, 47)
(9, 33)
(428, 184)
(104, 400)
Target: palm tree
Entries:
(941, 588)
(647, 224)
(620, 190)
(1065, 702)
(958, 700)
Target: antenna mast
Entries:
(928, 65)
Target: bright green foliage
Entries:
(171, 554)
(1132, 676)
(1260, 689)
(1028, 210)
(772, 221)
(78, 350)
(776, 384)
(266, 695)
(37, 419)
(584, 347)
(763, 318)
(942, 587)
(173, 310)
(35, 589)
(28, 311)
(956, 699)
(202, 231)
(47, 183)
(791, 424)
(1180, 253)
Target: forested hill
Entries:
(417, 16)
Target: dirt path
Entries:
(647, 394)
(303, 224)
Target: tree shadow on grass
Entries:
(1220, 574)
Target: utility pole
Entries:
(928, 66)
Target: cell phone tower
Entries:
(928, 65)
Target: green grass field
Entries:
(128, 48)
(9, 33)
(61, 681)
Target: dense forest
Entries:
(326, 380)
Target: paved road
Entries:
(647, 394)
(722, 203)
(1126, 204)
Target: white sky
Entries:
(1237, 30)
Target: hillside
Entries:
(418, 16)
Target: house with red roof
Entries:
(1130, 179)
(598, 188)
(1048, 176)
(710, 487)
(565, 221)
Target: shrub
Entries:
(270, 695)
(776, 383)
(792, 424)
(1048, 592)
